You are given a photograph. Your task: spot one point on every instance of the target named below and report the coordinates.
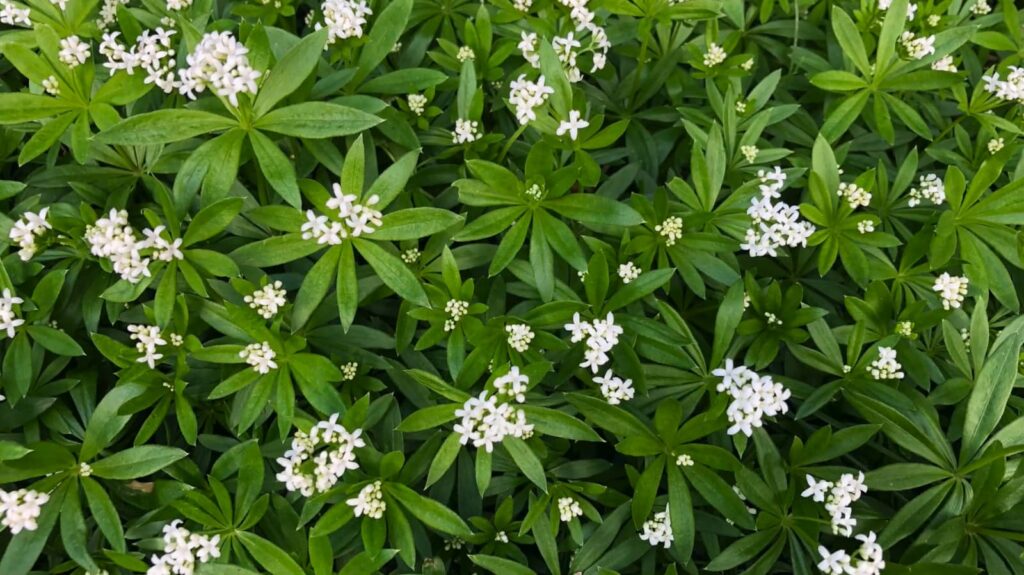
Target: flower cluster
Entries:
(715, 56)
(658, 531)
(115, 239)
(572, 126)
(865, 226)
(628, 272)
(600, 335)
(568, 508)
(684, 460)
(456, 310)
(220, 63)
(356, 219)
(25, 231)
(14, 16)
(73, 52)
(268, 300)
(466, 131)
(615, 389)
(930, 188)
(260, 356)
(527, 96)
(671, 229)
(153, 53)
(886, 366)
(513, 385)
(369, 501)
(344, 19)
(952, 290)
(749, 153)
(918, 48)
(944, 64)
(519, 336)
(485, 421)
(775, 224)
(417, 103)
(838, 498)
(147, 339)
(753, 397)
(868, 559)
(1011, 89)
(183, 550)
(317, 460)
(855, 195)
(995, 145)
(349, 370)
(20, 509)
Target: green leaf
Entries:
(315, 286)
(17, 108)
(526, 460)
(405, 81)
(270, 556)
(164, 127)
(137, 462)
(639, 288)
(594, 209)
(849, 38)
(211, 220)
(275, 251)
(501, 566)
(415, 223)
(24, 548)
(428, 511)
(387, 29)
(55, 340)
(277, 168)
(317, 120)
(992, 389)
(393, 272)
(290, 71)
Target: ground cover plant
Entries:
(511, 286)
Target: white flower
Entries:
(417, 103)
(930, 188)
(833, 563)
(349, 370)
(684, 460)
(344, 19)
(26, 229)
(816, 490)
(220, 63)
(749, 153)
(73, 52)
(513, 385)
(484, 422)
(601, 336)
(522, 5)
(519, 336)
(995, 145)
(568, 508)
(501, 537)
(774, 224)
(944, 64)
(671, 229)
(466, 131)
(260, 356)
(741, 107)
(980, 8)
(153, 53)
(411, 255)
(84, 469)
(177, 5)
(182, 550)
(614, 389)
(715, 56)
(148, 338)
(1011, 89)
(753, 397)
(772, 319)
(886, 366)
(14, 16)
(268, 300)
(855, 195)
(527, 96)
(20, 509)
(658, 531)
(865, 226)
(917, 48)
(317, 460)
(369, 502)
(456, 310)
(572, 126)
(528, 47)
(628, 272)
(51, 86)
(838, 498)
(465, 53)
(952, 290)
